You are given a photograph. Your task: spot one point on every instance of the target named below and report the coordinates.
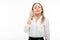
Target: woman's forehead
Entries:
(37, 5)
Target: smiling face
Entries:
(37, 8)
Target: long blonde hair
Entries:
(43, 17)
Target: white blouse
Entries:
(35, 29)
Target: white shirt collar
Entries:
(39, 20)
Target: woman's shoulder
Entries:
(46, 20)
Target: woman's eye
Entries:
(38, 6)
(35, 7)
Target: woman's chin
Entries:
(37, 12)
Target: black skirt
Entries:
(36, 38)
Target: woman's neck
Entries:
(38, 16)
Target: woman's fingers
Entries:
(31, 14)
(30, 17)
(29, 21)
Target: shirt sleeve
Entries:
(26, 28)
(47, 31)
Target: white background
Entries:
(13, 15)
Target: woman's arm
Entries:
(27, 25)
(26, 28)
(47, 31)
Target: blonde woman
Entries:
(37, 26)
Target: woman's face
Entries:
(37, 9)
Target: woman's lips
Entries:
(37, 11)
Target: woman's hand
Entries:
(31, 14)
(29, 21)
(30, 17)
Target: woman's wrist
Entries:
(27, 25)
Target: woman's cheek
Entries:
(34, 11)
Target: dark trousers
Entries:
(36, 38)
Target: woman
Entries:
(37, 26)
